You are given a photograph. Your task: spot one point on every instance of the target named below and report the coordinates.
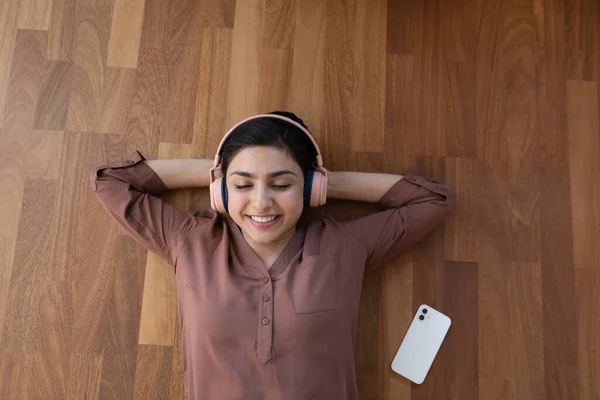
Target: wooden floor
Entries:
(498, 98)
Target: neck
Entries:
(269, 252)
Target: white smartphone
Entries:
(421, 344)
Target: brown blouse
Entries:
(252, 333)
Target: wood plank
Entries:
(556, 240)
(44, 158)
(35, 14)
(183, 62)
(51, 365)
(278, 21)
(340, 25)
(274, 83)
(62, 30)
(15, 368)
(154, 25)
(404, 26)
(367, 117)
(582, 39)
(459, 108)
(306, 94)
(217, 13)
(508, 127)
(84, 244)
(89, 70)
(587, 286)
(85, 375)
(459, 355)
(9, 14)
(153, 373)
(211, 97)
(125, 32)
(584, 166)
(400, 111)
(53, 101)
(244, 72)
(493, 253)
(526, 352)
(7, 251)
(462, 225)
(397, 314)
(17, 121)
(123, 318)
(338, 79)
(429, 137)
(184, 21)
(22, 324)
(117, 97)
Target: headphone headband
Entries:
(217, 161)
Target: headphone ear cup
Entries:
(308, 188)
(218, 196)
(315, 189)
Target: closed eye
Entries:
(277, 187)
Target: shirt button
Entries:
(266, 297)
(265, 321)
(266, 280)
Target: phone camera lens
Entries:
(421, 317)
(424, 311)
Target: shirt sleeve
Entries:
(128, 190)
(414, 206)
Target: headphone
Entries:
(315, 182)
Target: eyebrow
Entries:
(271, 175)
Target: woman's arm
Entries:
(129, 191)
(182, 173)
(413, 207)
(360, 186)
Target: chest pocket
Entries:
(314, 285)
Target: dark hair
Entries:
(271, 132)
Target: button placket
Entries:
(265, 322)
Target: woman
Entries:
(268, 302)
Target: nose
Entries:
(262, 200)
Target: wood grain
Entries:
(35, 14)
(306, 95)
(213, 86)
(367, 114)
(17, 123)
(62, 30)
(89, 70)
(244, 70)
(53, 102)
(125, 32)
(397, 314)
(278, 21)
(584, 147)
(498, 99)
(9, 14)
(460, 357)
(587, 284)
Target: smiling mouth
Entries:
(264, 219)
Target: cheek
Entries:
(291, 201)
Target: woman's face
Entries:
(265, 182)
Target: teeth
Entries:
(263, 219)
